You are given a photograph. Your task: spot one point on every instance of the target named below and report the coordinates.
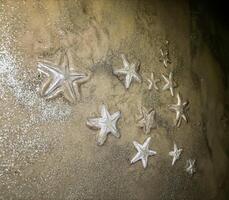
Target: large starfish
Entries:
(129, 70)
(175, 154)
(190, 166)
(180, 109)
(61, 79)
(106, 123)
(143, 152)
(170, 84)
(147, 120)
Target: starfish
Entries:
(153, 82)
(180, 109)
(129, 70)
(165, 57)
(170, 84)
(190, 166)
(147, 120)
(106, 123)
(61, 80)
(165, 54)
(143, 152)
(175, 154)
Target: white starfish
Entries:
(147, 120)
(153, 82)
(180, 109)
(175, 153)
(170, 84)
(60, 79)
(129, 70)
(143, 152)
(165, 57)
(106, 123)
(190, 166)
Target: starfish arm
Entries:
(173, 107)
(174, 160)
(64, 61)
(155, 84)
(152, 116)
(178, 99)
(152, 153)
(52, 86)
(104, 112)
(120, 71)
(115, 132)
(184, 117)
(146, 129)
(146, 143)
(143, 110)
(152, 76)
(55, 93)
(102, 136)
(124, 60)
(70, 92)
(162, 52)
(150, 84)
(175, 147)
(137, 146)
(171, 76)
(113, 129)
(44, 86)
(94, 122)
(191, 163)
(137, 78)
(178, 115)
(79, 77)
(165, 62)
(185, 103)
(171, 91)
(145, 161)
(141, 124)
(165, 87)
(134, 66)
(115, 116)
(48, 69)
(150, 123)
(165, 78)
(171, 153)
(128, 81)
(136, 158)
(178, 122)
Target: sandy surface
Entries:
(47, 151)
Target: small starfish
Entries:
(180, 109)
(147, 120)
(165, 57)
(61, 79)
(153, 82)
(175, 154)
(170, 84)
(190, 166)
(143, 152)
(106, 124)
(129, 70)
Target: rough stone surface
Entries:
(46, 150)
